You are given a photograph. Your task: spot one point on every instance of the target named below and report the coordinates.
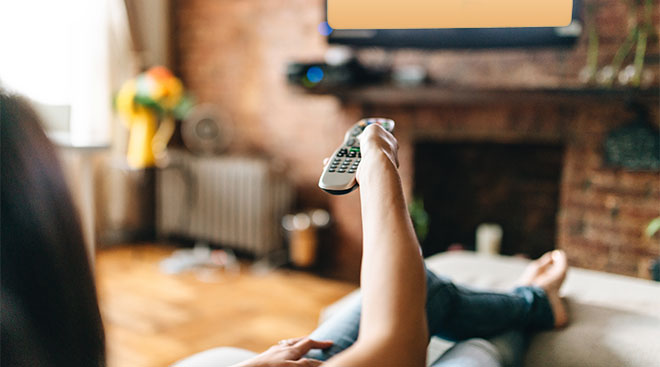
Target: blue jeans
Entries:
(458, 314)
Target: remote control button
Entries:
(358, 160)
(351, 154)
(331, 170)
(350, 141)
(349, 160)
(341, 171)
(351, 171)
(359, 155)
(343, 150)
(333, 166)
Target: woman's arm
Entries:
(393, 329)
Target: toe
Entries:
(559, 258)
(543, 262)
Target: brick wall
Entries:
(233, 53)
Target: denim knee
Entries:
(440, 296)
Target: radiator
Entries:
(229, 201)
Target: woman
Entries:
(50, 315)
(402, 303)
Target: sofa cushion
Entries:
(216, 357)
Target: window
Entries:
(67, 57)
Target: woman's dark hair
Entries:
(50, 315)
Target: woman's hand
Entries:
(379, 152)
(288, 353)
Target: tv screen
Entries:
(462, 38)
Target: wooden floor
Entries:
(154, 319)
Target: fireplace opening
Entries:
(466, 184)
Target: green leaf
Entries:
(149, 103)
(653, 227)
(420, 218)
(184, 106)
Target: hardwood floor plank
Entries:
(153, 319)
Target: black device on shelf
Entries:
(463, 38)
(350, 73)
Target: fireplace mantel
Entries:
(442, 95)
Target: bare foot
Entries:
(548, 273)
(534, 269)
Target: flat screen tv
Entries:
(463, 38)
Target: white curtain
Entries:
(71, 53)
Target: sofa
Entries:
(614, 320)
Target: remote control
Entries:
(338, 175)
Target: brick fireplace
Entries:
(233, 54)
